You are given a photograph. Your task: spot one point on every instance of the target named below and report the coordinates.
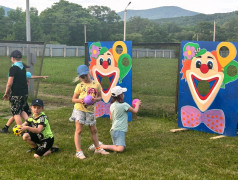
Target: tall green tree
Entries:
(36, 27)
(64, 23)
(137, 24)
(17, 19)
(5, 25)
(108, 22)
(204, 30)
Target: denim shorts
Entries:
(118, 138)
(83, 117)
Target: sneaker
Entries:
(101, 151)
(72, 119)
(4, 130)
(92, 147)
(80, 155)
(31, 150)
(54, 149)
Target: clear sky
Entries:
(201, 6)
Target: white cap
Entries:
(117, 90)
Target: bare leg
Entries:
(10, 121)
(94, 135)
(77, 135)
(18, 119)
(113, 148)
(26, 137)
(24, 115)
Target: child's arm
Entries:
(8, 88)
(98, 98)
(38, 77)
(32, 129)
(136, 109)
(25, 123)
(75, 99)
(110, 116)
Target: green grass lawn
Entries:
(152, 151)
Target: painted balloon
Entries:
(124, 64)
(230, 73)
(232, 53)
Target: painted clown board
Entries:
(110, 64)
(208, 97)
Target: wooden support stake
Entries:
(217, 137)
(176, 130)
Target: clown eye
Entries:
(101, 61)
(210, 64)
(109, 61)
(198, 64)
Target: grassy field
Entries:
(152, 151)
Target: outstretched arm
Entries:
(136, 109)
(38, 77)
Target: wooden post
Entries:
(7, 50)
(64, 51)
(177, 130)
(76, 51)
(86, 54)
(51, 51)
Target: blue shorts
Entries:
(118, 138)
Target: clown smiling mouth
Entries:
(106, 81)
(212, 83)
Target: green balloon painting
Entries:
(124, 64)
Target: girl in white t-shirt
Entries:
(119, 117)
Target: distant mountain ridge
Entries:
(220, 18)
(6, 9)
(158, 13)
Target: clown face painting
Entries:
(105, 69)
(204, 102)
(108, 69)
(204, 68)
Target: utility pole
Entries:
(85, 33)
(28, 22)
(214, 31)
(28, 39)
(125, 21)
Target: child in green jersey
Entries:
(38, 131)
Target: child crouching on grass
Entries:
(38, 131)
(119, 117)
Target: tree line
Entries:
(64, 23)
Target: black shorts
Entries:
(19, 104)
(45, 144)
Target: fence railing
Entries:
(52, 50)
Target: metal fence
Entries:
(50, 50)
(53, 50)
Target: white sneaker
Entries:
(92, 147)
(80, 155)
(71, 119)
(101, 151)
